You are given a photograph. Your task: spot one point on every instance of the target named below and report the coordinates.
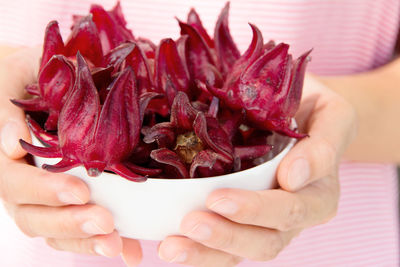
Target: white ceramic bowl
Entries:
(154, 209)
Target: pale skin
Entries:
(35, 201)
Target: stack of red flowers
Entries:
(191, 107)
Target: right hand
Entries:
(43, 204)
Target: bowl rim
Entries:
(285, 150)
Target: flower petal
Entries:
(193, 19)
(201, 63)
(126, 172)
(163, 133)
(144, 101)
(62, 166)
(45, 152)
(268, 46)
(55, 80)
(142, 170)
(33, 104)
(42, 135)
(53, 43)
(171, 162)
(111, 27)
(230, 121)
(251, 152)
(182, 47)
(212, 135)
(226, 49)
(293, 96)
(214, 107)
(172, 75)
(32, 89)
(116, 56)
(147, 46)
(116, 14)
(207, 163)
(141, 153)
(229, 93)
(102, 78)
(85, 39)
(120, 112)
(79, 114)
(182, 112)
(140, 65)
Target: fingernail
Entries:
(91, 228)
(99, 250)
(200, 232)
(9, 137)
(169, 254)
(224, 206)
(70, 198)
(299, 173)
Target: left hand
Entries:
(53, 206)
(257, 225)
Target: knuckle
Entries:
(36, 189)
(225, 240)
(22, 221)
(251, 212)
(3, 193)
(271, 246)
(332, 212)
(10, 209)
(354, 123)
(330, 202)
(295, 215)
(52, 242)
(66, 225)
(84, 245)
(331, 215)
(232, 260)
(4, 190)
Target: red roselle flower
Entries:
(195, 139)
(267, 84)
(186, 108)
(85, 138)
(55, 80)
(111, 26)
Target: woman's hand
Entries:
(257, 225)
(49, 205)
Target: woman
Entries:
(348, 37)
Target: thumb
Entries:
(16, 71)
(331, 124)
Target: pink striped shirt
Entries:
(347, 37)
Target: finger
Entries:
(278, 209)
(219, 233)
(131, 252)
(21, 183)
(16, 71)
(62, 222)
(330, 123)
(103, 245)
(180, 249)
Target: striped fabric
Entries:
(348, 36)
